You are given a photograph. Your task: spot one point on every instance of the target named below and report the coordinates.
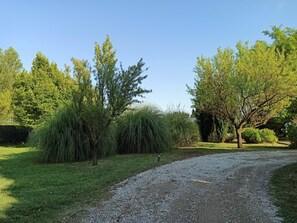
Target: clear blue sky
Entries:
(168, 34)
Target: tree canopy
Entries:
(115, 89)
(246, 87)
(10, 66)
(285, 40)
(40, 92)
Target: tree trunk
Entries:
(238, 137)
(95, 157)
(94, 148)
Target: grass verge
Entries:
(283, 188)
(34, 192)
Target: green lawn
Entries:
(34, 192)
(284, 189)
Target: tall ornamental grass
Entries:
(143, 130)
(62, 138)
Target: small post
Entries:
(159, 156)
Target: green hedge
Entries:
(252, 135)
(12, 134)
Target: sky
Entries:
(168, 34)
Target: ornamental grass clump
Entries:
(143, 130)
(62, 138)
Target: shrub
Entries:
(268, 135)
(251, 135)
(143, 131)
(291, 129)
(63, 138)
(212, 128)
(12, 134)
(184, 131)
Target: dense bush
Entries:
(143, 131)
(268, 135)
(63, 138)
(12, 134)
(277, 125)
(251, 135)
(212, 128)
(184, 131)
(291, 130)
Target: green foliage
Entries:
(205, 123)
(251, 135)
(115, 89)
(12, 134)
(245, 87)
(184, 131)
(285, 40)
(143, 131)
(213, 128)
(41, 92)
(268, 135)
(62, 138)
(284, 190)
(10, 66)
(291, 129)
(85, 128)
(291, 111)
(277, 124)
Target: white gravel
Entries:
(229, 187)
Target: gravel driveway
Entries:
(228, 187)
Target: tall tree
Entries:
(285, 40)
(245, 88)
(41, 92)
(115, 89)
(10, 66)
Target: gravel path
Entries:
(218, 188)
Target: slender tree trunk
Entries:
(94, 156)
(238, 137)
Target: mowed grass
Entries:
(284, 190)
(31, 191)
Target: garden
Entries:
(69, 135)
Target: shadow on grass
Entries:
(39, 192)
(15, 176)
